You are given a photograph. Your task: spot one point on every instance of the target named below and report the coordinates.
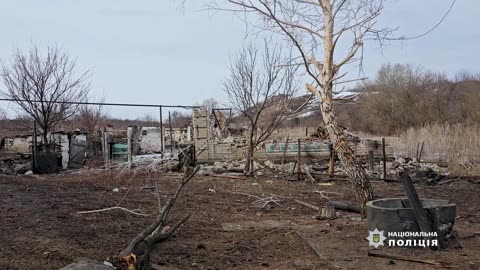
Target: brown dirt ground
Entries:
(40, 229)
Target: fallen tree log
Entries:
(350, 207)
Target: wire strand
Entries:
(431, 30)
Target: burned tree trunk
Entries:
(328, 69)
(355, 171)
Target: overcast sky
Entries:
(150, 52)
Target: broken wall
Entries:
(209, 147)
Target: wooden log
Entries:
(350, 207)
(420, 215)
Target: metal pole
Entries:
(161, 132)
(129, 146)
(384, 157)
(34, 141)
(100, 103)
(171, 134)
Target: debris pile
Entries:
(18, 164)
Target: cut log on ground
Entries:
(328, 212)
(350, 207)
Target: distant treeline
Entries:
(403, 96)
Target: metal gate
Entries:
(77, 153)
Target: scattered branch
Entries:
(135, 211)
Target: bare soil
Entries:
(41, 229)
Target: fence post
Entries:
(285, 149)
(162, 149)
(129, 146)
(171, 134)
(34, 148)
(371, 160)
(384, 158)
(299, 156)
(331, 164)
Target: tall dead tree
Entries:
(260, 88)
(44, 85)
(317, 29)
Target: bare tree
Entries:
(260, 88)
(90, 117)
(316, 29)
(3, 114)
(44, 86)
(209, 104)
(180, 120)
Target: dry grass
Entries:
(458, 145)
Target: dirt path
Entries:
(40, 229)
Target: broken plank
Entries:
(417, 206)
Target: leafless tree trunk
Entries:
(260, 88)
(315, 28)
(36, 82)
(209, 104)
(90, 116)
(3, 114)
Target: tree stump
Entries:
(328, 212)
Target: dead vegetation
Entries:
(225, 230)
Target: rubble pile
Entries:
(231, 167)
(15, 165)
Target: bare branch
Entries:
(37, 82)
(260, 87)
